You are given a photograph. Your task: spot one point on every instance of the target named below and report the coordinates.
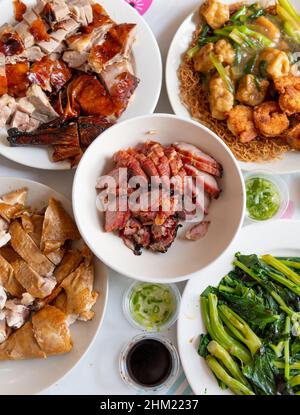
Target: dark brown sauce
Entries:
(149, 363)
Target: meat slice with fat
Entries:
(194, 156)
(197, 231)
(210, 184)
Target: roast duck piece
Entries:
(154, 222)
(45, 283)
(66, 62)
(70, 138)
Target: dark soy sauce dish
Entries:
(149, 363)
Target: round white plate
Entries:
(290, 162)
(281, 237)
(148, 68)
(33, 376)
(184, 258)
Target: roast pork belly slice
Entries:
(34, 54)
(19, 120)
(30, 16)
(59, 35)
(116, 46)
(39, 6)
(196, 157)
(75, 59)
(69, 25)
(39, 99)
(209, 182)
(60, 10)
(24, 105)
(81, 11)
(49, 46)
(22, 29)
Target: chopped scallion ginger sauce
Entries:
(152, 305)
(263, 198)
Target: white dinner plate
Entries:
(282, 238)
(148, 68)
(289, 163)
(33, 376)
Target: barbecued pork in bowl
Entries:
(158, 244)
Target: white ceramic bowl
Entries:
(184, 258)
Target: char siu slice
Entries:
(209, 182)
(194, 156)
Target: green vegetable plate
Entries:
(239, 322)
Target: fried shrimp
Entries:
(241, 123)
(220, 99)
(293, 137)
(202, 62)
(270, 120)
(278, 63)
(215, 13)
(224, 51)
(252, 91)
(289, 89)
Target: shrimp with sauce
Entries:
(252, 91)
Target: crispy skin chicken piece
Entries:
(293, 137)
(12, 204)
(21, 345)
(17, 79)
(69, 263)
(34, 284)
(26, 248)
(51, 331)
(18, 196)
(58, 227)
(47, 335)
(80, 297)
(48, 73)
(8, 279)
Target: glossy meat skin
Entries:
(48, 73)
(114, 44)
(17, 79)
(38, 30)
(19, 9)
(11, 44)
(90, 128)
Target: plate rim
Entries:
(120, 270)
(182, 111)
(181, 319)
(105, 279)
(64, 166)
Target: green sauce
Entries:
(263, 198)
(152, 305)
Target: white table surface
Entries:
(97, 372)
